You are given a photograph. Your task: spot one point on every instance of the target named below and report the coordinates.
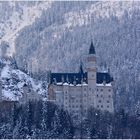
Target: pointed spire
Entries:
(62, 79)
(92, 49)
(81, 68)
(67, 79)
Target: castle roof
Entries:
(92, 49)
(78, 77)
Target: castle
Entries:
(77, 92)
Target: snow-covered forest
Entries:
(45, 120)
(39, 33)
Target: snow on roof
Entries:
(60, 83)
(84, 84)
(78, 85)
(106, 85)
(71, 85)
(65, 84)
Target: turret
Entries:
(91, 66)
(91, 71)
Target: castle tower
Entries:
(91, 73)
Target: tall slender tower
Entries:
(91, 74)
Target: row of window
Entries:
(97, 90)
(66, 97)
(101, 101)
(109, 90)
(102, 96)
(73, 100)
(102, 106)
(102, 90)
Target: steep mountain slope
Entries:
(13, 80)
(16, 15)
(54, 34)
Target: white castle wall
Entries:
(75, 99)
(104, 97)
(72, 98)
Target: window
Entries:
(107, 106)
(107, 101)
(99, 101)
(76, 106)
(97, 95)
(101, 96)
(97, 89)
(92, 75)
(109, 96)
(101, 106)
(97, 106)
(109, 90)
(101, 89)
(84, 89)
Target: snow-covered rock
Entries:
(13, 81)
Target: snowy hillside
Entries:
(17, 15)
(63, 31)
(69, 31)
(13, 80)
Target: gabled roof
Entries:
(92, 49)
(78, 77)
(68, 77)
